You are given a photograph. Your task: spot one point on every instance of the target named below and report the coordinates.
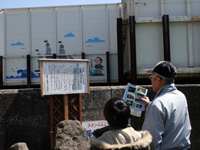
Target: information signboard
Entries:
(64, 76)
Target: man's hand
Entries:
(145, 100)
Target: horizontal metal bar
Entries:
(171, 19)
(179, 70)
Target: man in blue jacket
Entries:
(167, 117)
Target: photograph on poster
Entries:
(141, 90)
(137, 100)
(129, 102)
(130, 96)
(131, 89)
(138, 106)
(139, 95)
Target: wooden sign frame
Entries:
(64, 76)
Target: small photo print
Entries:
(137, 100)
(139, 106)
(131, 89)
(130, 96)
(139, 95)
(141, 90)
(129, 102)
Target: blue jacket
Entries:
(167, 119)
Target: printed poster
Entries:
(65, 77)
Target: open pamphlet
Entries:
(132, 97)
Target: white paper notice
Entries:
(65, 78)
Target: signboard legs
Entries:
(64, 107)
(51, 121)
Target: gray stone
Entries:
(70, 135)
(19, 146)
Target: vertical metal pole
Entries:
(83, 55)
(1, 72)
(54, 56)
(28, 59)
(133, 50)
(120, 51)
(166, 37)
(108, 67)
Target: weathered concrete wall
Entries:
(24, 118)
(24, 114)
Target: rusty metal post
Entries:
(54, 56)
(83, 55)
(166, 37)
(28, 60)
(108, 67)
(120, 51)
(1, 72)
(133, 49)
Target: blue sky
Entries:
(46, 3)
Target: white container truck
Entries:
(65, 31)
(69, 31)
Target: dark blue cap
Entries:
(165, 68)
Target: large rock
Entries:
(70, 135)
(19, 146)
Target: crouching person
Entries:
(119, 134)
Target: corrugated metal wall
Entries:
(184, 32)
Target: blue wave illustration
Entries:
(23, 74)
